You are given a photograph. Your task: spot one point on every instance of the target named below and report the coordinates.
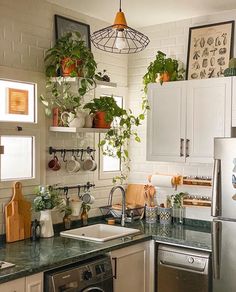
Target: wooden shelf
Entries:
(196, 203)
(75, 79)
(77, 130)
(197, 182)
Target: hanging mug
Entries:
(90, 164)
(72, 165)
(54, 164)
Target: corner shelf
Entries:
(77, 130)
(75, 79)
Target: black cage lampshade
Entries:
(119, 38)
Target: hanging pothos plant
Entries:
(123, 128)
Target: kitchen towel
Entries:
(167, 181)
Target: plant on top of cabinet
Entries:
(123, 126)
(167, 68)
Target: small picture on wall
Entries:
(18, 101)
(64, 25)
(209, 49)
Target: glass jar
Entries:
(178, 214)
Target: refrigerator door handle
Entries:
(216, 189)
(216, 247)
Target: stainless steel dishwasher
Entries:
(182, 270)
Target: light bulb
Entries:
(120, 43)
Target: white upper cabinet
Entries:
(185, 117)
(166, 121)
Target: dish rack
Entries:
(134, 213)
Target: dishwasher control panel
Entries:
(183, 258)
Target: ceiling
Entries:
(140, 13)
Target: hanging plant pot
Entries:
(67, 67)
(100, 122)
(165, 77)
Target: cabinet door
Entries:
(34, 283)
(130, 268)
(208, 116)
(13, 286)
(166, 121)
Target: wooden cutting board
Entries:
(17, 216)
(135, 194)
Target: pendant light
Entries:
(119, 38)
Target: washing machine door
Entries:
(93, 289)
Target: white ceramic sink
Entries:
(99, 232)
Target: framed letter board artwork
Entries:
(209, 49)
(64, 25)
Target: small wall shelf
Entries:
(75, 79)
(77, 130)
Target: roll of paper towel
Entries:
(159, 180)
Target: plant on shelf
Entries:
(71, 57)
(69, 53)
(59, 94)
(105, 109)
(165, 68)
(123, 128)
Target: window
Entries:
(110, 166)
(17, 101)
(19, 133)
(17, 161)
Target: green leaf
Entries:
(137, 139)
(141, 116)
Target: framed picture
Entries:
(18, 101)
(64, 25)
(209, 49)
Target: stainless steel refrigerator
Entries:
(224, 215)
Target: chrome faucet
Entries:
(123, 202)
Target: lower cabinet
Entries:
(133, 268)
(32, 283)
(17, 285)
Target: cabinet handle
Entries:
(115, 267)
(187, 147)
(181, 147)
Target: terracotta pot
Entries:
(67, 69)
(99, 121)
(165, 77)
(80, 71)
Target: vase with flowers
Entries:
(47, 198)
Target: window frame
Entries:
(31, 129)
(104, 177)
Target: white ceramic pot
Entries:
(46, 223)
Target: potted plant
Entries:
(59, 94)
(71, 57)
(67, 210)
(165, 68)
(47, 198)
(105, 109)
(123, 127)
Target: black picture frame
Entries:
(210, 48)
(64, 25)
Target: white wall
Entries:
(172, 39)
(26, 32)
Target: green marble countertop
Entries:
(31, 257)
